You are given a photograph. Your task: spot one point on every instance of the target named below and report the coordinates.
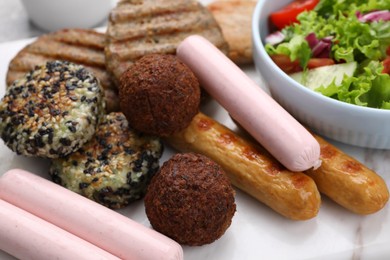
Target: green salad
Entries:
(354, 34)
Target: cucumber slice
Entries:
(324, 76)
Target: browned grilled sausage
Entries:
(250, 168)
(348, 182)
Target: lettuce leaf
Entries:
(352, 40)
(327, 8)
(379, 94)
(371, 88)
(297, 48)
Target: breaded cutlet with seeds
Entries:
(114, 167)
(52, 111)
(80, 46)
(140, 27)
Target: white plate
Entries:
(257, 232)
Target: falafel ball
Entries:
(159, 94)
(114, 167)
(190, 199)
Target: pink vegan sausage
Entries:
(86, 219)
(26, 236)
(272, 126)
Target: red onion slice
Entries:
(320, 48)
(275, 38)
(374, 16)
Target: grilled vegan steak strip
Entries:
(80, 46)
(137, 28)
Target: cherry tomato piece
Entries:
(288, 14)
(285, 64)
(288, 66)
(386, 65)
(319, 62)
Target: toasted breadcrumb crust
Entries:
(190, 199)
(52, 111)
(159, 94)
(114, 167)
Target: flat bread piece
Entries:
(80, 46)
(235, 18)
(140, 27)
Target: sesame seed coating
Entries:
(52, 111)
(114, 167)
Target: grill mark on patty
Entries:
(137, 28)
(165, 42)
(80, 46)
(20, 67)
(85, 47)
(164, 24)
(87, 38)
(75, 53)
(130, 10)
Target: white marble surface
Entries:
(256, 232)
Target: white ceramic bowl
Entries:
(351, 124)
(51, 15)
